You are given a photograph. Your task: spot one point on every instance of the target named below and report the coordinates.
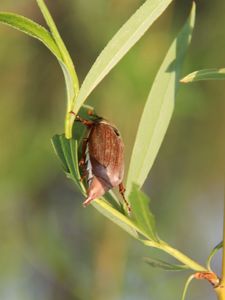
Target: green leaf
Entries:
(57, 146)
(64, 52)
(114, 201)
(159, 107)
(39, 32)
(119, 45)
(66, 150)
(65, 143)
(158, 263)
(32, 29)
(213, 252)
(206, 74)
(116, 217)
(142, 214)
(69, 147)
(73, 153)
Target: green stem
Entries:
(220, 290)
(178, 255)
(223, 260)
(69, 120)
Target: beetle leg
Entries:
(84, 122)
(84, 145)
(122, 191)
(82, 160)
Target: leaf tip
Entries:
(184, 80)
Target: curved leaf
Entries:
(213, 252)
(119, 45)
(31, 28)
(59, 42)
(206, 74)
(159, 107)
(37, 31)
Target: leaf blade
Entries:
(32, 29)
(119, 45)
(142, 214)
(37, 31)
(116, 217)
(205, 74)
(57, 146)
(159, 108)
(62, 48)
(213, 252)
(158, 263)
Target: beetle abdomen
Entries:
(106, 152)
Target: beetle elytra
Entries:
(102, 159)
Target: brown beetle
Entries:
(102, 159)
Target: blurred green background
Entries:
(52, 248)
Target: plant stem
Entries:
(223, 259)
(220, 290)
(183, 258)
(178, 255)
(69, 124)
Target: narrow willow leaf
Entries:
(32, 29)
(159, 107)
(158, 263)
(70, 91)
(213, 252)
(206, 74)
(74, 155)
(39, 32)
(114, 201)
(67, 154)
(57, 146)
(59, 42)
(62, 149)
(142, 214)
(119, 45)
(115, 216)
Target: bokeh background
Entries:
(52, 248)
